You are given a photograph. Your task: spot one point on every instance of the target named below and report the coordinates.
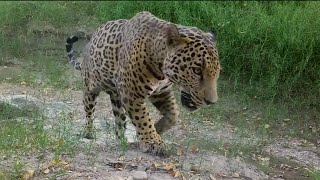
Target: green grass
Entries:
(42, 71)
(35, 37)
(315, 175)
(267, 119)
(22, 130)
(23, 133)
(272, 47)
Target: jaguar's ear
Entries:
(174, 38)
(213, 36)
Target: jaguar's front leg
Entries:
(166, 103)
(149, 139)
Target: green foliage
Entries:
(26, 133)
(18, 18)
(23, 133)
(10, 112)
(272, 47)
(315, 175)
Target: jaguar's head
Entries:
(192, 63)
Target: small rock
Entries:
(155, 178)
(47, 127)
(129, 178)
(195, 169)
(85, 140)
(235, 175)
(25, 102)
(141, 168)
(123, 178)
(46, 171)
(140, 175)
(23, 119)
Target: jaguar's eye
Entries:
(197, 71)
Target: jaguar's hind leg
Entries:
(89, 102)
(119, 114)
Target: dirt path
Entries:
(102, 158)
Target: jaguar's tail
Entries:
(70, 51)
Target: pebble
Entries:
(155, 178)
(235, 175)
(140, 175)
(141, 168)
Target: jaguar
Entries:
(139, 60)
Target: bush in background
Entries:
(270, 49)
(274, 46)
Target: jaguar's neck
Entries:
(157, 50)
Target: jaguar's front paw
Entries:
(164, 124)
(160, 149)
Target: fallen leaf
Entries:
(183, 178)
(119, 169)
(139, 159)
(156, 165)
(194, 149)
(264, 161)
(117, 165)
(56, 161)
(67, 167)
(226, 146)
(212, 177)
(121, 158)
(46, 171)
(177, 174)
(63, 162)
(221, 175)
(179, 152)
(61, 142)
(28, 175)
(285, 167)
(169, 167)
(195, 169)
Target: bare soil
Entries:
(286, 159)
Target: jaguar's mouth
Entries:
(187, 102)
